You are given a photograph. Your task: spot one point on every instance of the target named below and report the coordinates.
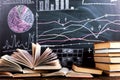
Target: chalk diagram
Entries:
(20, 19)
(103, 25)
(99, 2)
(61, 31)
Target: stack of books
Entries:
(107, 57)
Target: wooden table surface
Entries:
(64, 78)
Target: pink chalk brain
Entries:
(20, 19)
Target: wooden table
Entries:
(64, 78)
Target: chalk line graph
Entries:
(64, 30)
(47, 36)
(17, 43)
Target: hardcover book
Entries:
(108, 67)
(106, 54)
(112, 73)
(87, 70)
(107, 50)
(107, 59)
(109, 44)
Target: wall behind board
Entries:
(64, 25)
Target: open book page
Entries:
(44, 56)
(23, 57)
(21, 60)
(33, 50)
(7, 64)
(26, 55)
(50, 58)
(53, 65)
(62, 72)
(37, 53)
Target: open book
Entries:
(67, 73)
(36, 61)
(62, 72)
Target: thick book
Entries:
(86, 70)
(108, 66)
(107, 59)
(74, 74)
(20, 75)
(28, 70)
(107, 50)
(37, 61)
(16, 75)
(108, 44)
(5, 74)
(106, 54)
(67, 73)
(112, 73)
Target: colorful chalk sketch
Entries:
(76, 23)
(20, 19)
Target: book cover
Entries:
(108, 66)
(107, 59)
(112, 73)
(108, 44)
(107, 50)
(106, 54)
(87, 70)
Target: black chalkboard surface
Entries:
(59, 24)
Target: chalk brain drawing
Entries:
(20, 19)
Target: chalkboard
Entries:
(59, 24)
